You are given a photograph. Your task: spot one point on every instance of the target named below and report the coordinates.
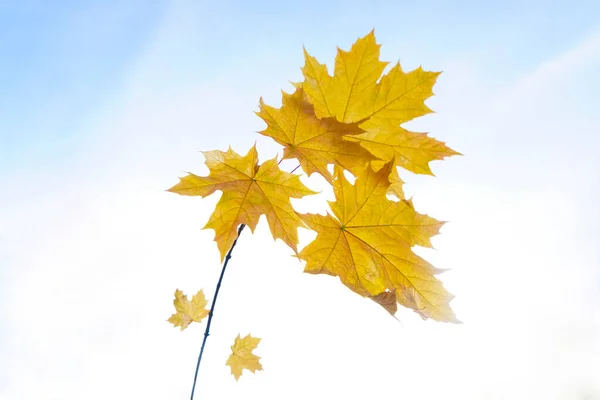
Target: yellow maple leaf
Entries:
(368, 240)
(356, 94)
(188, 311)
(314, 142)
(241, 356)
(249, 191)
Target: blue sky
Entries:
(63, 61)
(104, 104)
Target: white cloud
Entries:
(94, 266)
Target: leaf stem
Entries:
(212, 308)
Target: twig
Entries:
(212, 307)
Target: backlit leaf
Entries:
(249, 191)
(354, 94)
(358, 93)
(188, 311)
(368, 241)
(241, 356)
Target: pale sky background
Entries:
(104, 104)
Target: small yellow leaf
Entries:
(188, 311)
(241, 356)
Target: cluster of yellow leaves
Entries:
(351, 120)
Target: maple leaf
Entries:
(354, 95)
(368, 240)
(249, 191)
(188, 311)
(241, 356)
(314, 142)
